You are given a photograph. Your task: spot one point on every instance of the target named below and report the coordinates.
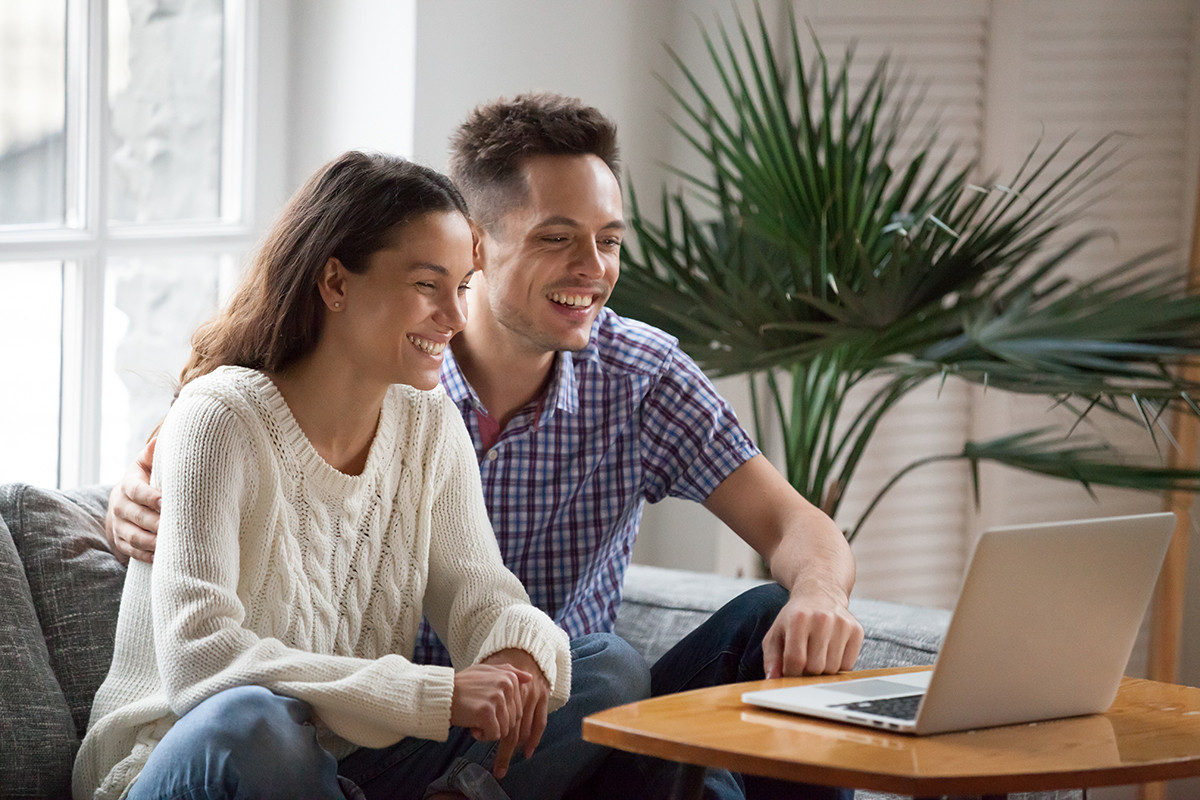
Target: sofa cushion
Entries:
(898, 634)
(37, 734)
(74, 580)
(662, 605)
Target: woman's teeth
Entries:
(433, 348)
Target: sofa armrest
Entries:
(663, 605)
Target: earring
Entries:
(338, 304)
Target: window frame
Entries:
(85, 240)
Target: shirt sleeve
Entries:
(474, 602)
(691, 439)
(207, 467)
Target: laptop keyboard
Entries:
(904, 707)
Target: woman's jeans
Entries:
(250, 743)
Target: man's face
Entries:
(555, 258)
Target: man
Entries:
(579, 416)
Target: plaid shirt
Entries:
(628, 419)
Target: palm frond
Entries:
(809, 249)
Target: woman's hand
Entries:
(535, 704)
(487, 699)
(504, 698)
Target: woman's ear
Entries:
(332, 284)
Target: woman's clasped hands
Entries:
(504, 698)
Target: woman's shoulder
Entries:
(227, 394)
(228, 381)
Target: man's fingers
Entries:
(820, 633)
(773, 653)
(145, 496)
(853, 646)
(795, 654)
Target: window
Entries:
(124, 192)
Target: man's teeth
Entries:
(574, 300)
(433, 348)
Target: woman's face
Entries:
(403, 309)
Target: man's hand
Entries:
(812, 635)
(815, 632)
(131, 523)
(535, 702)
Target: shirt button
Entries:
(492, 455)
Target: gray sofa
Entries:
(60, 588)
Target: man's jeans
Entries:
(727, 648)
(250, 743)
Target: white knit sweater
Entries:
(273, 568)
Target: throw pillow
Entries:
(75, 582)
(37, 734)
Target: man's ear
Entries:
(481, 245)
(332, 284)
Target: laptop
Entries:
(1043, 629)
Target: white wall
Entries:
(607, 54)
(351, 80)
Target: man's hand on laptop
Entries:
(814, 634)
(131, 523)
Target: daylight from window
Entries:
(119, 260)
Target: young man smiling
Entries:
(580, 416)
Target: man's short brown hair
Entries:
(489, 148)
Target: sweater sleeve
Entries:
(474, 603)
(208, 468)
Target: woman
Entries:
(317, 499)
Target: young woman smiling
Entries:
(318, 498)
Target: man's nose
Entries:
(589, 260)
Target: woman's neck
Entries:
(337, 414)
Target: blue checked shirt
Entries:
(628, 419)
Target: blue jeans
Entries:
(250, 743)
(726, 648)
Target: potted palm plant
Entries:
(812, 257)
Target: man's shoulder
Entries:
(621, 344)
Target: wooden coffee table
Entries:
(1151, 734)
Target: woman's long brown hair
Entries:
(348, 210)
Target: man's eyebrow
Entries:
(616, 224)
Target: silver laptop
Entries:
(1043, 629)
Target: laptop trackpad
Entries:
(877, 687)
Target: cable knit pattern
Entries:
(275, 569)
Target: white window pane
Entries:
(31, 352)
(151, 308)
(32, 111)
(166, 102)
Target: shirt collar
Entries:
(562, 393)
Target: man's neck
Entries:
(505, 378)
